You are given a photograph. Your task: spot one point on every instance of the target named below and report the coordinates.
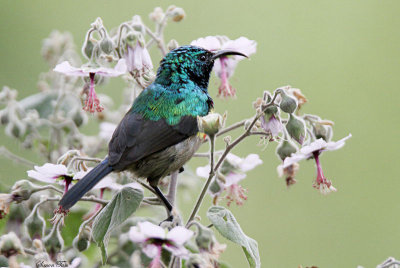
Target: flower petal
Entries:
(151, 230)
(203, 172)
(250, 162)
(243, 45)
(119, 69)
(331, 146)
(211, 43)
(179, 235)
(48, 172)
(151, 250)
(66, 68)
(136, 236)
(294, 159)
(179, 251)
(233, 178)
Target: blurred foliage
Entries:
(344, 56)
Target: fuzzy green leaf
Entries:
(228, 227)
(122, 205)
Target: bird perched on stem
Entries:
(158, 135)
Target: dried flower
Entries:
(5, 202)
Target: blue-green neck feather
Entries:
(180, 87)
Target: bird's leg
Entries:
(165, 201)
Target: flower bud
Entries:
(215, 187)
(172, 44)
(137, 24)
(322, 131)
(35, 224)
(296, 128)
(3, 261)
(10, 245)
(4, 117)
(288, 104)
(88, 48)
(106, 45)
(178, 14)
(196, 261)
(210, 124)
(54, 242)
(204, 238)
(16, 128)
(22, 190)
(285, 149)
(82, 240)
(157, 15)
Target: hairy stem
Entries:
(173, 183)
(6, 153)
(207, 184)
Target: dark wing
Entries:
(136, 138)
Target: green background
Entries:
(343, 54)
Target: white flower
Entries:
(232, 172)
(52, 173)
(138, 58)
(153, 238)
(313, 150)
(106, 130)
(319, 146)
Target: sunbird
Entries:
(159, 133)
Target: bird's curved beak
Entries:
(227, 52)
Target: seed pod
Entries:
(54, 242)
(288, 104)
(35, 224)
(322, 131)
(88, 48)
(296, 128)
(204, 239)
(22, 190)
(285, 149)
(106, 45)
(10, 245)
(82, 240)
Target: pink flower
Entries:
(224, 67)
(231, 173)
(313, 150)
(92, 102)
(138, 58)
(52, 173)
(153, 238)
(273, 125)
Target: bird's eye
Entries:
(203, 57)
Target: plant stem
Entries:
(214, 169)
(205, 187)
(173, 183)
(6, 153)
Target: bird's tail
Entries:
(85, 184)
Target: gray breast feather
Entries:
(163, 163)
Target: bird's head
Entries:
(189, 64)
